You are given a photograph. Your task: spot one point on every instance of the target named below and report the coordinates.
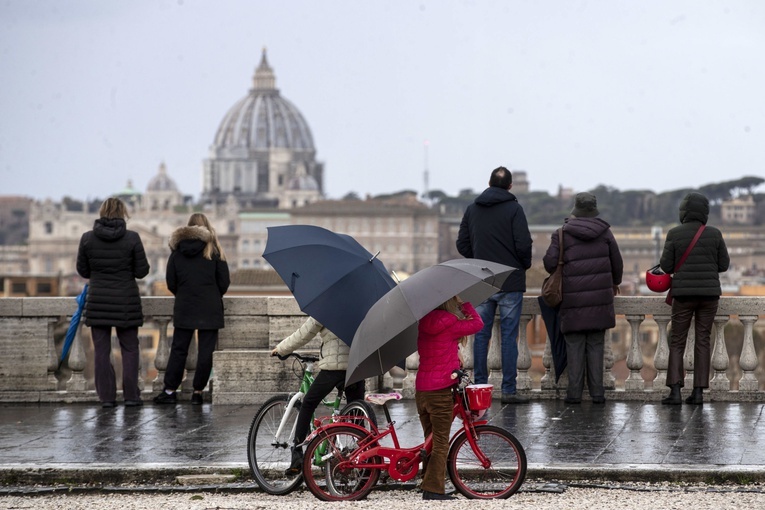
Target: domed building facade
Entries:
(263, 152)
(162, 193)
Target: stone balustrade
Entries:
(31, 330)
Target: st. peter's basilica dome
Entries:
(263, 151)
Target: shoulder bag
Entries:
(552, 287)
(668, 300)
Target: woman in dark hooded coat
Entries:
(112, 257)
(197, 274)
(695, 293)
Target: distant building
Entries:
(263, 152)
(14, 219)
(565, 194)
(520, 181)
(738, 211)
(55, 228)
(401, 228)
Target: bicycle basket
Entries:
(478, 396)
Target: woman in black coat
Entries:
(197, 274)
(112, 257)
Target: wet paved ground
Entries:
(618, 440)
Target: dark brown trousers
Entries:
(683, 312)
(435, 410)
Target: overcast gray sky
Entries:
(651, 94)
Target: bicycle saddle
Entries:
(381, 398)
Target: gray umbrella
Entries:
(388, 333)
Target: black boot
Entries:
(296, 466)
(674, 398)
(696, 398)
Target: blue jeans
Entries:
(509, 318)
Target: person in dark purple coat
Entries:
(592, 272)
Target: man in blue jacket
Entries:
(494, 228)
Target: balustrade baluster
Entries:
(748, 360)
(494, 359)
(191, 365)
(688, 363)
(163, 353)
(634, 356)
(77, 362)
(661, 357)
(412, 363)
(720, 381)
(52, 355)
(548, 380)
(523, 382)
(609, 381)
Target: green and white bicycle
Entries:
(273, 430)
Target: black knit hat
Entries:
(586, 206)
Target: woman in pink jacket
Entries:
(440, 334)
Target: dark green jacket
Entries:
(699, 276)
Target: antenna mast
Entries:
(425, 174)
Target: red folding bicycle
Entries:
(484, 461)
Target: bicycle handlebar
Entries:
(463, 377)
(300, 357)
(461, 374)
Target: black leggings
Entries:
(325, 382)
(208, 339)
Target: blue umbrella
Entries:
(73, 324)
(334, 279)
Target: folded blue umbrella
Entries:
(73, 325)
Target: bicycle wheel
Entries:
(361, 409)
(502, 478)
(269, 456)
(328, 480)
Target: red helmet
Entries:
(657, 280)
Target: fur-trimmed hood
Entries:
(193, 233)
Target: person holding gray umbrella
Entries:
(440, 333)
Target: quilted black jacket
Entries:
(112, 257)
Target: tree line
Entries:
(619, 208)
